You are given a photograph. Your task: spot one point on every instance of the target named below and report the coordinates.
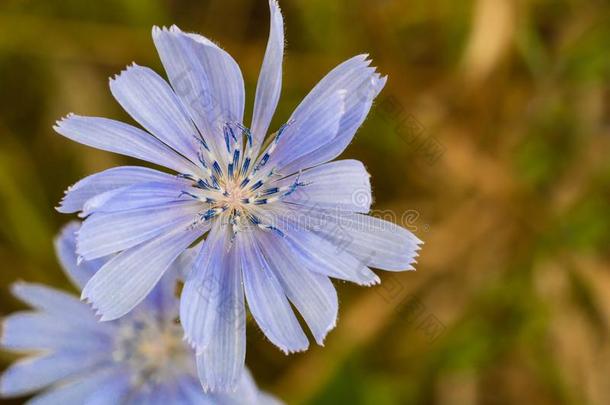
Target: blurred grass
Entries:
(515, 213)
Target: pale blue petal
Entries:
(99, 183)
(246, 393)
(35, 331)
(202, 289)
(141, 195)
(117, 137)
(95, 203)
(316, 254)
(184, 263)
(375, 242)
(53, 302)
(220, 364)
(360, 85)
(151, 101)
(358, 104)
(162, 300)
(312, 294)
(141, 397)
(213, 314)
(104, 233)
(342, 185)
(65, 248)
(160, 394)
(266, 298)
(348, 74)
(193, 394)
(205, 78)
(79, 391)
(32, 374)
(306, 132)
(269, 83)
(115, 390)
(126, 279)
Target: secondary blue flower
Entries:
(139, 359)
(278, 216)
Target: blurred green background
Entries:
(490, 141)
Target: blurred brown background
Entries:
(490, 141)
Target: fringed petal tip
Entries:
(230, 388)
(85, 300)
(274, 5)
(61, 207)
(192, 343)
(198, 348)
(97, 312)
(60, 123)
(320, 339)
(375, 281)
(288, 351)
(174, 29)
(412, 263)
(364, 57)
(127, 69)
(17, 287)
(156, 30)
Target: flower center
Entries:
(234, 195)
(240, 190)
(153, 349)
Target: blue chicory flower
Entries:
(278, 216)
(139, 359)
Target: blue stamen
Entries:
(244, 182)
(217, 168)
(227, 142)
(264, 160)
(273, 228)
(256, 185)
(270, 191)
(245, 131)
(281, 131)
(211, 213)
(245, 166)
(189, 194)
(201, 160)
(215, 183)
(235, 157)
(200, 139)
(185, 176)
(203, 184)
(232, 134)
